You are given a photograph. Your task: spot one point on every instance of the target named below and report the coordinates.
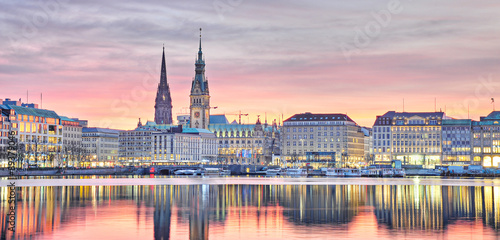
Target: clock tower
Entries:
(200, 96)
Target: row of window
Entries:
(311, 129)
(407, 143)
(408, 150)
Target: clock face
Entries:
(197, 114)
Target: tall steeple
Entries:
(199, 77)
(163, 102)
(200, 95)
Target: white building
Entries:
(323, 138)
(39, 133)
(413, 137)
(166, 144)
(193, 145)
(101, 145)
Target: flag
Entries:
(492, 100)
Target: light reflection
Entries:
(259, 211)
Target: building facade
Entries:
(324, 138)
(101, 146)
(456, 147)
(368, 145)
(73, 151)
(4, 138)
(200, 96)
(161, 144)
(190, 145)
(245, 143)
(412, 137)
(136, 145)
(39, 133)
(486, 140)
(163, 102)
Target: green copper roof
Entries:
(218, 119)
(64, 118)
(230, 127)
(457, 122)
(195, 130)
(34, 111)
(150, 125)
(493, 115)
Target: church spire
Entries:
(200, 53)
(163, 76)
(163, 102)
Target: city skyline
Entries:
(103, 67)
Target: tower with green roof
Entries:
(200, 96)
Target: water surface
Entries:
(280, 210)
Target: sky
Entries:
(100, 60)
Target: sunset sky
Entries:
(100, 60)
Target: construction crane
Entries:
(239, 115)
(186, 110)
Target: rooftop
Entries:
(319, 117)
(151, 125)
(495, 115)
(393, 114)
(32, 111)
(64, 118)
(195, 130)
(101, 130)
(218, 119)
(231, 127)
(457, 122)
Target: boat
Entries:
(343, 172)
(273, 172)
(475, 170)
(185, 172)
(334, 172)
(371, 172)
(424, 172)
(352, 172)
(225, 172)
(399, 172)
(263, 171)
(365, 172)
(211, 172)
(296, 172)
(387, 172)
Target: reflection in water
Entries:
(251, 211)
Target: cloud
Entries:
(276, 57)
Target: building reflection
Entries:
(162, 212)
(198, 212)
(204, 209)
(308, 204)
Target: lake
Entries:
(252, 208)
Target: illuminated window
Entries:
(487, 162)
